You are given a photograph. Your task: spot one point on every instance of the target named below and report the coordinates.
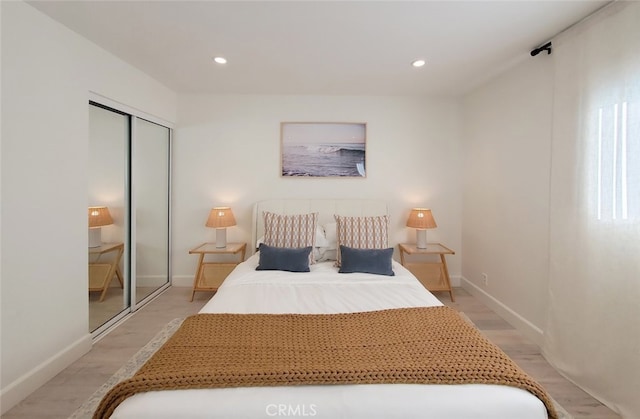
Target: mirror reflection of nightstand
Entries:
(102, 269)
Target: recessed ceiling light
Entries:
(220, 60)
(418, 63)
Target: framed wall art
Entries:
(323, 149)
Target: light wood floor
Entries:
(101, 312)
(61, 396)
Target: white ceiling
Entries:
(320, 47)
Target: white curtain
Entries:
(593, 327)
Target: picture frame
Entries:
(323, 149)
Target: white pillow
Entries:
(331, 236)
(324, 254)
(328, 251)
(321, 239)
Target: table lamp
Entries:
(98, 217)
(220, 218)
(421, 219)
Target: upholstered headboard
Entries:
(326, 209)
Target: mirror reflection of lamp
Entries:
(421, 219)
(98, 217)
(220, 218)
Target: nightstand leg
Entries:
(197, 277)
(110, 276)
(446, 276)
(119, 276)
(104, 292)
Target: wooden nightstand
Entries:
(434, 275)
(210, 275)
(101, 273)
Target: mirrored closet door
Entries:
(108, 214)
(150, 198)
(129, 212)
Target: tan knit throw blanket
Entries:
(424, 345)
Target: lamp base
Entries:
(95, 237)
(221, 238)
(421, 239)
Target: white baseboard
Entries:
(182, 281)
(531, 331)
(153, 281)
(455, 280)
(18, 390)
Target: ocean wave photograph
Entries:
(323, 149)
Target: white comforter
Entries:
(324, 291)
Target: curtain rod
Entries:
(548, 46)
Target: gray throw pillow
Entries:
(373, 261)
(283, 258)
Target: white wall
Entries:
(47, 73)
(227, 152)
(506, 159)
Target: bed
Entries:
(319, 294)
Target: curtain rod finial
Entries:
(545, 47)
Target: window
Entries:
(616, 162)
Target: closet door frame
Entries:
(129, 257)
